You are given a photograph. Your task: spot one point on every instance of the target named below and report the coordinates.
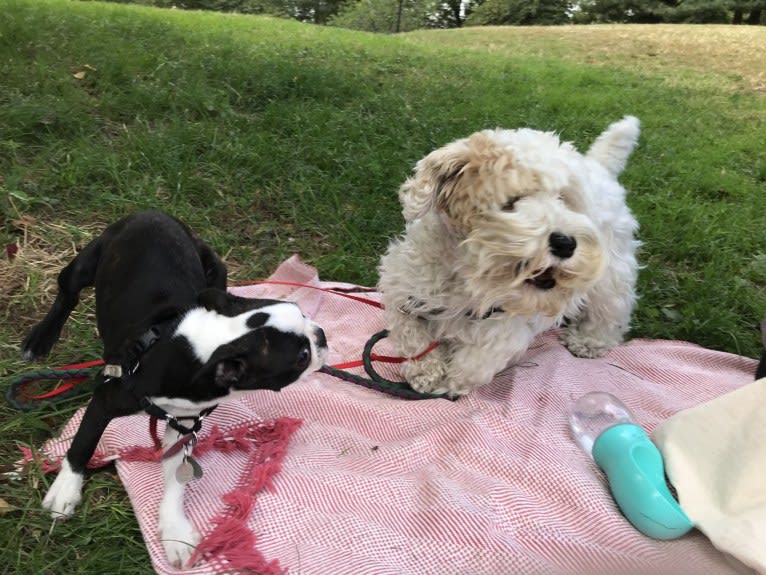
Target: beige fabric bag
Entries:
(715, 457)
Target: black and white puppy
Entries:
(174, 340)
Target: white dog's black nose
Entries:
(562, 246)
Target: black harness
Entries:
(132, 364)
(415, 307)
(157, 412)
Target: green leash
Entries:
(89, 370)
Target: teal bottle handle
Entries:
(636, 474)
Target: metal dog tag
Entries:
(196, 467)
(188, 470)
(185, 472)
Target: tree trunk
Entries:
(755, 16)
(456, 14)
(737, 16)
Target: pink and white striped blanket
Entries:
(370, 484)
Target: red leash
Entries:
(367, 301)
(326, 290)
(70, 384)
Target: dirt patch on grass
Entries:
(29, 267)
(734, 52)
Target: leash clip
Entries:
(113, 370)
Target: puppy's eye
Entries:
(304, 357)
(509, 204)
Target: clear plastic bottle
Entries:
(593, 414)
(607, 432)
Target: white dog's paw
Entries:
(427, 375)
(179, 541)
(65, 493)
(585, 346)
(456, 387)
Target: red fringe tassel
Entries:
(231, 545)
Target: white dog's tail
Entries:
(612, 148)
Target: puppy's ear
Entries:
(233, 364)
(213, 299)
(434, 178)
(229, 372)
(612, 148)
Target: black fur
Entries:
(760, 371)
(149, 269)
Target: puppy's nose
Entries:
(562, 246)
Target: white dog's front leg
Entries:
(472, 366)
(177, 534)
(65, 493)
(491, 349)
(411, 338)
(604, 321)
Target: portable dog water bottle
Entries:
(606, 431)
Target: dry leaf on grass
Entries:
(5, 507)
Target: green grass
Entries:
(270, 137)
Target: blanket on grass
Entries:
(330, 478)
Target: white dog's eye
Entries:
(509, 204)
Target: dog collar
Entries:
(133, 362)
(138, 348)
(189, 433)
(435, 312)
(156, 411)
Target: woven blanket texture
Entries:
(490, 484)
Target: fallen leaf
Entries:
(79, 75)
(5, 507)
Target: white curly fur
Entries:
(478, 268)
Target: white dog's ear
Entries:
(612, 148)
(433, 176)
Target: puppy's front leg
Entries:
(66, 491)
(472, 366)
(606, 317)
(177, 534)
(411, 337)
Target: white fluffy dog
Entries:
(509, 233)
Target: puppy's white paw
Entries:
(427, 375)
(179, 541)
(584, 346)
(455, 387)
(65, 493)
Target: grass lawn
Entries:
(271, 137)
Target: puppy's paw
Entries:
(65, 493)
(584, 346)
(37, 344)
(457, 387)
(427, 375)
(179, 540)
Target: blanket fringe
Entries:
(230, 546)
